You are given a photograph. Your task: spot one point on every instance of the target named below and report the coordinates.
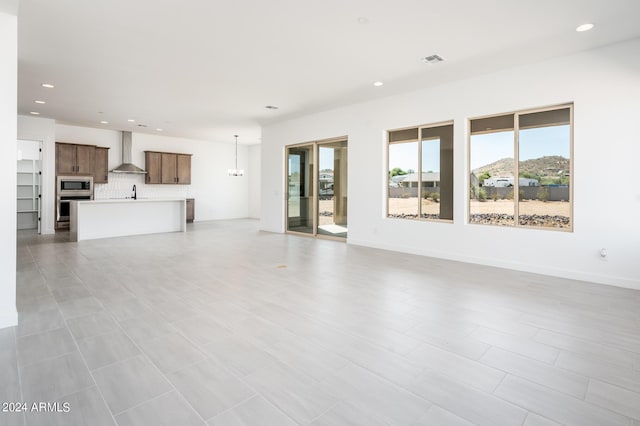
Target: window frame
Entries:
(419, 140)
(516, 153)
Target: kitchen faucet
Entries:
(135, 194)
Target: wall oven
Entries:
(70, 188)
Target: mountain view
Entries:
(553, 165)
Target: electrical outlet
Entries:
(603, 254)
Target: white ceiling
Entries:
(205, 69)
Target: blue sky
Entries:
(405, 156)
(545, 141)
(534, 143)
(326, 158)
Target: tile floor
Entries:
(225, 325)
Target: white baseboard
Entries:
(8, 319)
(271, 230)
(536, 269)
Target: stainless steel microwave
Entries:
(75, 185)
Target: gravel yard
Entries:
(554, 214)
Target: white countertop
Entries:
(130, 200)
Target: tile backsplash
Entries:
(121, 186)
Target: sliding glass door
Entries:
(317, 188)
(300, 205)
(332, 189)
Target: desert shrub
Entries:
(543, 194)
(435, 196)
(473, 192)
(482, 195)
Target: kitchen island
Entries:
(93, 219)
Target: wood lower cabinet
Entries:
(168, 168)
(72, 159)
(191, 209)
(101, 170)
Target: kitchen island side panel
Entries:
(118, 218)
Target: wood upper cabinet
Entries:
(153, 165)
(101, 170)
(183, 164)
(168, 168)
(65, 159)
(85, 159)
(74, 159)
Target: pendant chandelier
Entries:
(236, 171)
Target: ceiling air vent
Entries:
(433, 59)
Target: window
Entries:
(420, 173)
(541, 196)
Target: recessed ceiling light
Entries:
(131, 120)
(104, 122)
(378, 83)
(40, 102)
(34, 113)
(271, 107)
(585, 27)
(48, 85)
(159, 130)
(363, 20)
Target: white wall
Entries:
(8, 163)
(604, 84)
(217, 195)
(253, 173)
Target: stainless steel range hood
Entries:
(127, 166)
